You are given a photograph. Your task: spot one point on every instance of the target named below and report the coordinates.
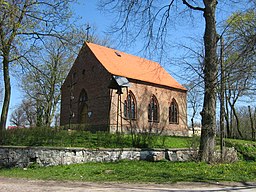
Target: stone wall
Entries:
(24, 156)
(43, 156)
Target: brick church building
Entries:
(110, 90)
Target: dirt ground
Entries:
(24, 185)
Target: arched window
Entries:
(130, 106)
(153, 109)
(82, 97)
(174, 112)
(82, 107)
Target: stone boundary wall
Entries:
(49, 156)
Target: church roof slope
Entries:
(133, 67)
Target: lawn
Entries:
(63, 138)
(140, 172)
(128, 171)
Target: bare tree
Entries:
(145, 16)
(24, 114)
(18, 118)
(24, 24)
(194, 101)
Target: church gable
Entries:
(86, 77)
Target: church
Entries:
(109, 90)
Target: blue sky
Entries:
(178, 34)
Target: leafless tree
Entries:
(24, 115)
(194, 99)
(152, 18)
(17, 118)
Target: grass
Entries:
(85, 139)
(128, 171)
(140, 172)
(246, 149)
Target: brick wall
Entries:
(143, 92)
(93, 77)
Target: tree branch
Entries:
(192, 7)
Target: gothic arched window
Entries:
(153, 109)
(173, 112)
(130, 106)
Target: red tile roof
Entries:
(133, 67)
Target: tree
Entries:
(194, 101)
(17, 118)
(247, 119)
(145, 15)
(51, 64)
(42, 84)
(24, 114)
(240, 68)
(24, 24)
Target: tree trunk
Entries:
(192, 125)
(227, 116)
(251, 121)
(7, 96)
(222, 98)
(237, 121)
(207, 142)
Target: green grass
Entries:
(140, 172)
(85, 139)
(128, 171)
(246, 149)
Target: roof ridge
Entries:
(104, 47)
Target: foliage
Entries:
(43, 136)
(240, 68)
(24, 25)
(42, 83)
(247, 149)
(141, 172)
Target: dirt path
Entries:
(24, 185)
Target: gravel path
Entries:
(24, 185)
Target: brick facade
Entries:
(143, 93)
(101, 102)
(91, 76)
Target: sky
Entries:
(179, 34)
